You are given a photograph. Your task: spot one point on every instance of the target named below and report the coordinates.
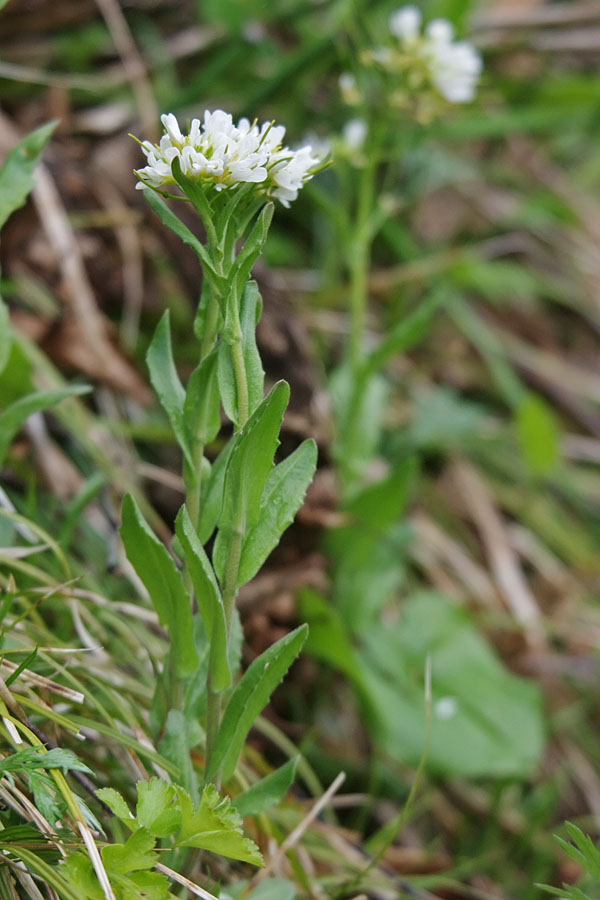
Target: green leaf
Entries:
(267, 792)
(15, 415)
(249, 698)
(16, 175)
(182, 734)
(273, 889)
(282, 497)
(144, 886)
(328, 637)
(250, 310)
(538, 434)
(169, 219)
(166, 383)
(208, 596)
(485, 721)
(201, 405)
(5, 334)
(156, 569)
(32, 758)
(249, 466)
(216, 826)
(155, 810)
(79, 874)
(212, 493)
(406, 334)
(117, 805)
(136, 853)
(252, 248)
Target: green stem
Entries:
(241, 382)
(359, 263)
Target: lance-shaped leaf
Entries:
(16, 175)
(250, 310)
(267, 792)
(168, 218)
(14, 415)
(249, 466)
(158, 573)
(166, 383)
(208, 596)
(282, 498)
(250, 697)
(201, 405)
(252, 248)
(216, 826)
(406, 334)
(212, 493)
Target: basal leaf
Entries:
(282, 497)
(249, 698)
(156, 569)
(267, 792)
(249, 465)
(117, 805)
(155, 810)
(15, 415)
(208, 596)
(16, 175)
(216, 826)
(136, 853)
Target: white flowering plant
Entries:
(407, 75)
(239, 501)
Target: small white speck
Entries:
(445, 708)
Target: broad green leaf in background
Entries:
(16, 175)
(282, 497)
(328, 636)
(216, 826)
(156, 569)
(15, 415)
(166, 383)
(370, 551)
(208, 596)
(249, 466)
(273, 889)
(268, 792)
(202, 402)
(538, 433)
(485, 721)
(250, 310)
(249, 698)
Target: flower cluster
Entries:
(225, 155)
(453, 66)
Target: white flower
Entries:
(354, 133)
(453, 66)
(349, 88)
(222, 155)
(405, 23)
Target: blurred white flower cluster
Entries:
(219, 153)
(453, 66)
